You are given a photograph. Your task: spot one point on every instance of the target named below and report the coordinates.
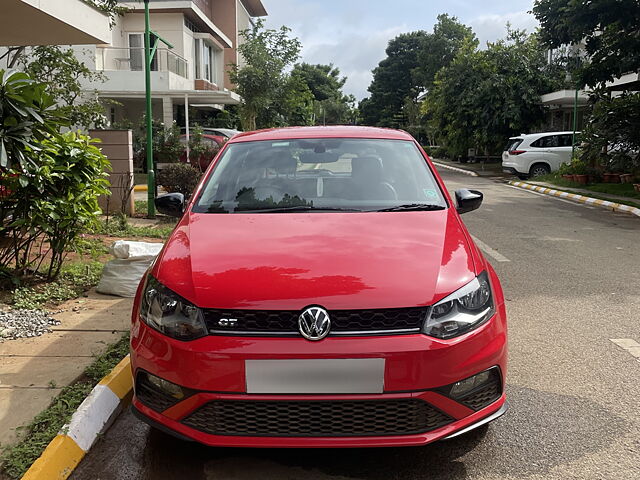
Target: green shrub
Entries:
(180, 178)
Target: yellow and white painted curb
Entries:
(92, 418)
(455, 169)
(613, 206)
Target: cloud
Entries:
(489, 28)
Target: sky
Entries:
(353, 34)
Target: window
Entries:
(547, 142)
(136, 52)
(322, 174)
(206, 61)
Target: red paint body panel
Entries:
(337, 260)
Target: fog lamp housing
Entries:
(477, 391)
(158, 393)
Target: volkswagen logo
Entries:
(314, 323)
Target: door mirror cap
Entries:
(468, 200)
(171, 204)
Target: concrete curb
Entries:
(140, 188)
(615, 207)
(92, 418)
(456, 169)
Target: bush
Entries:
(180, 178)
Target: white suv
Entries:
(537, 153)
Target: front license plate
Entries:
(334, 375)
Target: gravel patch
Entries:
(16, 324)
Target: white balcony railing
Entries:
(132, 59)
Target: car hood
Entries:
(338, 260)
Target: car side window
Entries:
(547, 142)
(565, 140)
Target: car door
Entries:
(563, 151)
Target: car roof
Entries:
(542, 134)
(321, 132)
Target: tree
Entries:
(262, 81)
(331, 105)
(440, 47)
(64, 75)
(110, 7)
(393, 81)
(608, 28)
(413, 59)
(485, 96)
(28, 115)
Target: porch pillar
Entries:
(167, 112)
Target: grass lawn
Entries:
(600, 190)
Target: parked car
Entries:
(218, 132)
(212, 141)
(319, 290)
(537, 154)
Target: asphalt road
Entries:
(571, 276)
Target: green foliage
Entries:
(486, 96)
(65, 76)
(611, 137)
(393, 81)
(179, 177)
(17, 459)
(200, 152)
(413, 59)
(110, 7)
(74, 279)
(607, 28)
(119, 226)
(330, 105)
(28, 114)
(262, 81)
(92, 247)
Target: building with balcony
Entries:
(63, 22)
(204, 35)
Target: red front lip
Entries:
(320, 442)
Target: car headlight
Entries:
(169, 313)
(462, 311)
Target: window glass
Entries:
(547, 142)
(513, 144)
(329, 173)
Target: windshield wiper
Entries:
(299, 208)
(412, 207)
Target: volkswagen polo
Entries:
(319, 290)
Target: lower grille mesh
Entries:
(316, 418)
(485, 395)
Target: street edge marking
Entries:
(68, 448)
(455, 169)
(497, 256)
(612, 206)
(140, 188)
(629, 345)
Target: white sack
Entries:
(129, 249)
(122, 276)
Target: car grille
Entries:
(486, 395)
(316, 418)
(343, 322)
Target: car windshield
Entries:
(328, 174)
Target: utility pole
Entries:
(575, 123)
(149, 53)
(151, 175)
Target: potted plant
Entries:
(580, 173)
(626, 178)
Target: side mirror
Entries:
(171, 204)
(468, 200)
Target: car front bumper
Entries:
(212, 369)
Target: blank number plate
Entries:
(335, 375)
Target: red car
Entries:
(212, 142)
(320, 290)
